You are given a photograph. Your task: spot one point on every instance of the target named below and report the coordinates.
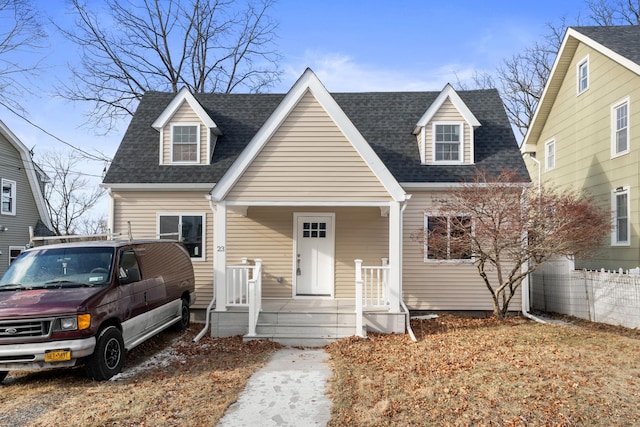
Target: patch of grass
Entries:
(194, 388)
(479, 371)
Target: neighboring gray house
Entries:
(22, 201)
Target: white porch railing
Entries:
(372, 287)
(244, 289)
(238, 279)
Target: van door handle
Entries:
(145, 297)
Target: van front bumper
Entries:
(30, 356)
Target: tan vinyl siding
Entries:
(448, 113)
(308, 159)
(446, 285)
(581, 127)
(267, 233)
(141, 209)
(184, 114)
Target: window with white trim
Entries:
(620, 205)
(447, 237)
(185, 143)
(620, 128)
(447, 142)
(14, 252)
(189, 227)
(550, 154)
(583, 75)
(8, 204)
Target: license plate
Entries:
(57, 356)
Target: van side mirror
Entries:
(133, 275)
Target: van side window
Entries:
(128, 270)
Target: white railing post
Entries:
(359, 328)
(258, 279)
(253, 318)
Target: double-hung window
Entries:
(583, 75)
(448, 237)
(621, 225)
(447, 142)
(8, 203)
(185, 143)
(620, 128)
(550, 155)
(189, 227)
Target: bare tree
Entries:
(20, 35)
(488, 222)
(614, 12)
(207, 46)
(522, 77)
(70, 196)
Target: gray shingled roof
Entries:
(385, 119)
(625, 40)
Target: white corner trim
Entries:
(307, 82)
(447, 92)
(182, 96)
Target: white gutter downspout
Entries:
(402, 304)
(213, 300)
(525, 303)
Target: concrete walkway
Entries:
(289, 391)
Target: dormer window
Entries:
(185, 143)
(447, 142)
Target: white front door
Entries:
(314, 254)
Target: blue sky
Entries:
(351, 45)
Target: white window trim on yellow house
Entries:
(618, 191)
(167, 115)
(550, 154)
(582, 64)
(614, 127)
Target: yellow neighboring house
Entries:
(585, 132)
(298, 208)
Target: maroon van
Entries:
(91, 302)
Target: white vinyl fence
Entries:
(598, 296)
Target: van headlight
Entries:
(73, 323)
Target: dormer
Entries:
(445, 132)
(187, 134)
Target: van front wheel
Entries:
(3, 375)
(108, 356)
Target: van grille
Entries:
(32, 328)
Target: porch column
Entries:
(220, 255)
(395, 248)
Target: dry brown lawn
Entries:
(167, 381)
(463, 371)
(481, 372)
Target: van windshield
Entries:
(59, 268)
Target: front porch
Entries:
(304, 321)
(307, 323)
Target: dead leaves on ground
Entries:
(181, 383)
(481, 371)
